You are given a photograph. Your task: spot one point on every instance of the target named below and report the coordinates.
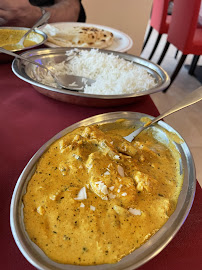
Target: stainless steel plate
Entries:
(6, 58)
(140, 256)
(44, 56)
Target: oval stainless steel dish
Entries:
(141, 255)
(57, 55)
(5, 58)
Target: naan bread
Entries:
(79, 37)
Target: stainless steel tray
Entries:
(8, 58)
(140, 256)
(57, 55)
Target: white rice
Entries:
(113, 75)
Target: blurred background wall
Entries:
(129, 16)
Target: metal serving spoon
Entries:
(189, 99)
(69, 82)
(20, 45)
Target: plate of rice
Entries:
(119, 78)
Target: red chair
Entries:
(160, 21)
(184, 32)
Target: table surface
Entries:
(29, 119)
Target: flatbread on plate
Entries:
(79, 36)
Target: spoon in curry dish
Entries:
(68, 82)
(20, 45)
(189, 99)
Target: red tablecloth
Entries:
(28, 119)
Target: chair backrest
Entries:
(159, 15)
(184, 23)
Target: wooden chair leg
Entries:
(163, 53)
(193, 64)
(147, 38)
(155, 46)
(176, 71)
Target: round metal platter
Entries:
(57, 55)
(141, 255)
(4, 57)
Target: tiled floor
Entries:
(188, 122)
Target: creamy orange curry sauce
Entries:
(94, 197)
(10, 37)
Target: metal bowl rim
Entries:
(188, 200)
(35, 52)
(38, 31)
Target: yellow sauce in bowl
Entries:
(10, 37)
(94, 197)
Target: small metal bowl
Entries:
(57, 55)
(141, 255)
(7, 58)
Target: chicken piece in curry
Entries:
(94, 197)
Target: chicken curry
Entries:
(10, 37)
(94, 197)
